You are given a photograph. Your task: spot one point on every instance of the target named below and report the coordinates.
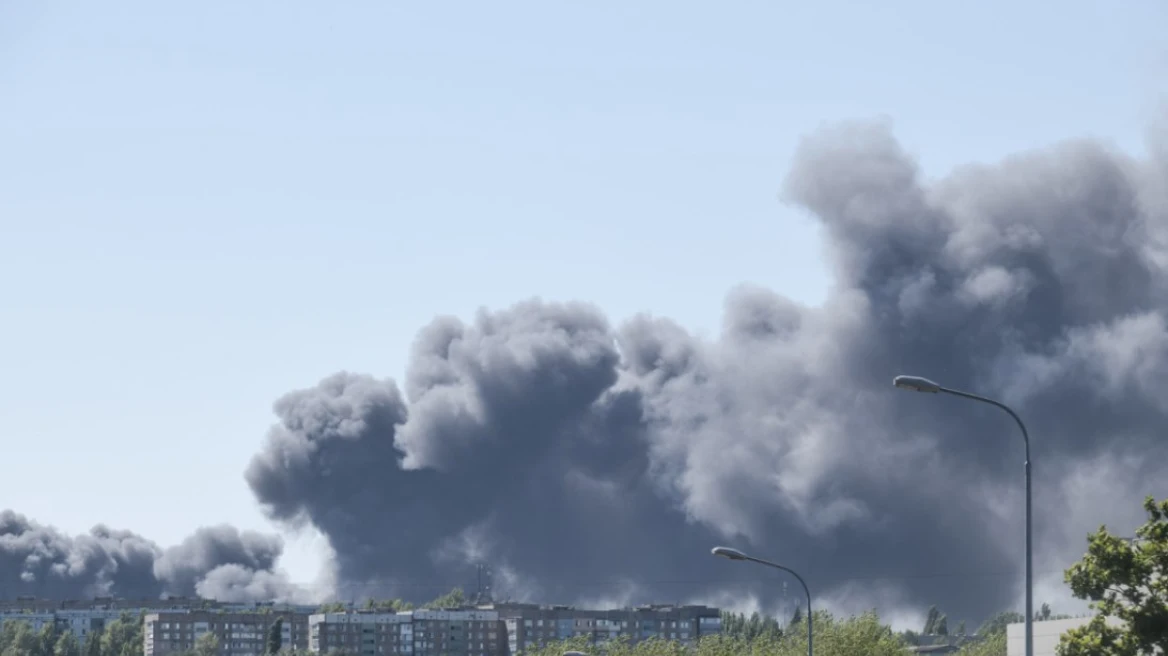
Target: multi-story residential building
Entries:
(530, 626)
(80, 622)
(463, 632)
(82, 618)
(238, 634)
(361, 633)
(477, 632)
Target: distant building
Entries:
(239, 634)
(1046, 635)
(80, 622)
(504, 629)
(464, 632)
(531, 625)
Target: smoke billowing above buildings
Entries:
(585, 458)
(218, 562)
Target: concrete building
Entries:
(463, 632)
(82, 618)
(529, 625)
(239, 634)
(1046, 635)
(81, 622)
(361, 633)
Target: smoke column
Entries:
(218, 562)
(589, 460)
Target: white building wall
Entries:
(1046, 635)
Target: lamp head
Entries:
(916, 384)
(727, 552)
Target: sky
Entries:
(205, 205)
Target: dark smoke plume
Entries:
(215, 562)
(583, 458)
(588, 461)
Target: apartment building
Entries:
(238, 634)
(530, 626)
(463, 632)
(80, 622)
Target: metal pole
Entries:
(1029, 619)
(805, 590)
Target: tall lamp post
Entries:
(918, 384)
(734, 554)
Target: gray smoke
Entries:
(576, 456)
(218, 562)
(585, 460)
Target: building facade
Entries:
(463, 632)
(530, 626)
(81, 622)
(1047, 635)
(238, 634)
(505, 629)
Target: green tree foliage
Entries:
(456, 598)
(92, 646)
(122, 637)
(275, 638)
(936, 623)
(67, 645)
(47, 639)
(388, 605)
(756, 626)
(207, 645)
(997, 624)
(1126, 584)
(453, 599)
(991, 645)
(18, 639)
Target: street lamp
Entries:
(734, 554)
(918, 384)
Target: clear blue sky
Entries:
(206, 204)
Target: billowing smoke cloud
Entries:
(592, 460)
(218, 562)
(586, 460)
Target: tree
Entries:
(992, 645)
(47, 639)
(1126, 584)
(67, 645)
(998, 623)
(931, 619)
(18, 639)
(275, 637)
(92, 645)
(122, 637)
(393, 605)
(207, 645)
(453, 599)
